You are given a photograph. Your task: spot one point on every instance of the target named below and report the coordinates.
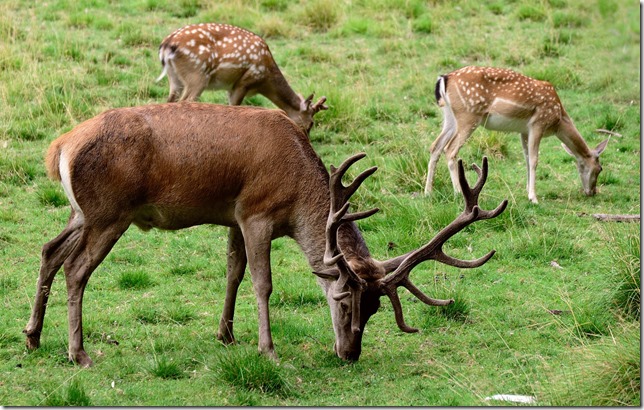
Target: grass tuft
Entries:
(424, 24)
(52, 196)
(626, 262)
(75, 397)
(458, 311)
(134, 280)
(166, 369)
(249, 370)
(600, 375)
(321, 15)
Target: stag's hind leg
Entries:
(234, 275)
(94, 244)
(54, 254)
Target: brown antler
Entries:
(433, 249)
(337, 216)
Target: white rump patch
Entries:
(66, 181)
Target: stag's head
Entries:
(354, 284)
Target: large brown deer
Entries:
(504, 100)
(225, 57)
(172, 166)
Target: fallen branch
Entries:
(604, 131)
(617, 218)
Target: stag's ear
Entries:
(332, 273)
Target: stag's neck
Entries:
(311, 237)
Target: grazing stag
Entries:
(172, 166)
(503, 100)
(224, 57)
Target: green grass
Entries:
(247, 370)
(151, 309)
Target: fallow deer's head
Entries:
(304, 118)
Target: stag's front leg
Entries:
(257, 235)
(234, 275)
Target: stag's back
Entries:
(188, 163)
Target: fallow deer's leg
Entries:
(449, 129)
(534, 139)
(194, 81)
(524, 145)
(466, 126)
(176, 86)
(234, 275)
(236, 95)
(54, 254)
(257, 236)
(193, 89)
(93, 246)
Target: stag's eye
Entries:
(345, 307)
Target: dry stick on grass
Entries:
(617, 218)
(604, 131)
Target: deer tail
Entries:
(439, 90)
(52, 161)
(166, 53)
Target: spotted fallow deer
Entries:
(225, 57)
(504, 100)
(171, 166)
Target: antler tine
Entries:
(339, 199)
(433, 249)
(341, 193)
(482, 175)
(398, 312)
(332, 255)
(459, 263)
(471, 194)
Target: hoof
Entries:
(82, 359)
(271, 355)
(226, 338)
(32, 342)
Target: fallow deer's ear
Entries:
(305, 104)
(601, 147)
(567, 149)
(332, 273)
(318, 106)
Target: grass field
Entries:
(554, 315)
